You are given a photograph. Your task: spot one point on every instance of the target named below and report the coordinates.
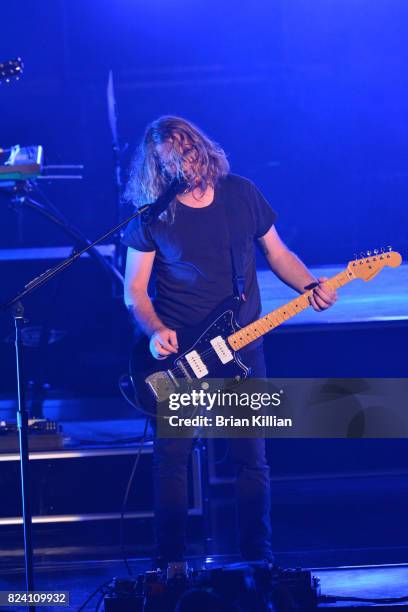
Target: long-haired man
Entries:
(188, 246)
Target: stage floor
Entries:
(80, 579)
(383, 299)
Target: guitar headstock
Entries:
(12, 69)
(372, 263)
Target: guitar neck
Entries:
(265, 324)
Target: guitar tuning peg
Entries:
(382, 250)
(356, 256)
(368, 253)
(389, 248)
(362, 255)
(375, 251)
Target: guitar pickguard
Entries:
(210, 355)
(204, 354)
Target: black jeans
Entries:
(252, 488)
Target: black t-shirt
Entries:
(193, 268)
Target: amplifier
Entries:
(70, 486)
(43, 434)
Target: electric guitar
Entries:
(211, 349)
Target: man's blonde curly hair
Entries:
(149, 178)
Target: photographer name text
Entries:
(262, 421)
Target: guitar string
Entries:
(211, 351)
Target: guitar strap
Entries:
(234, 233)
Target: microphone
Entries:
(163, 201)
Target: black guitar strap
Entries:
(234, 232)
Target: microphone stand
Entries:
(117, 158)
(16, 308)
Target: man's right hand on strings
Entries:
(163, 342)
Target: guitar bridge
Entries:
(162, 385)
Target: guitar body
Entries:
(203, 353)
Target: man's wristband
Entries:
(312, 285)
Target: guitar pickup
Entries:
(220, 347)
(196, 364)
